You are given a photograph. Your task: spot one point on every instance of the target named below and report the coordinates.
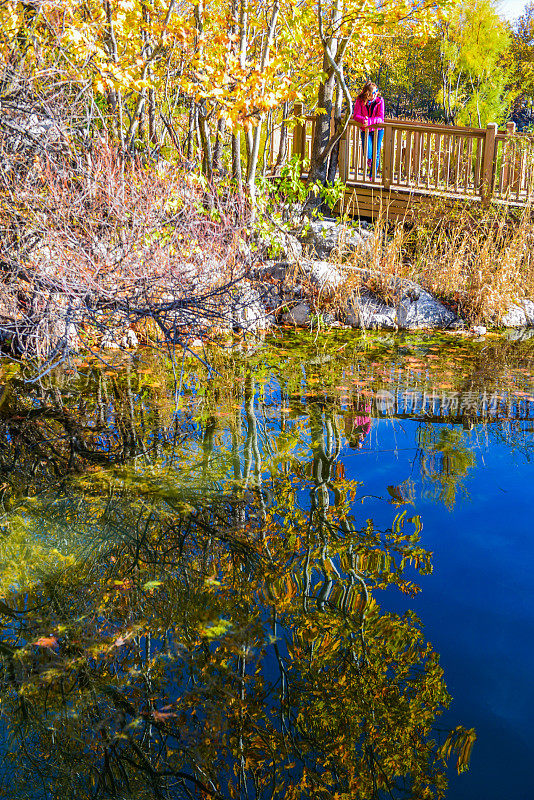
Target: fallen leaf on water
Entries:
(46, 641)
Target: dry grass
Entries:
(478, 261)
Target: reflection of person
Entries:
(368, 113)
(357, 423)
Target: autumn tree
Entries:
(521, 53)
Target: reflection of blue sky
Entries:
(477, 608)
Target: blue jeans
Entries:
(379, 133)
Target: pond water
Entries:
(310, 578)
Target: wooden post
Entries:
(343, 155)
(299, 132)
(488, 163)
(387, 157)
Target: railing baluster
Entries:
(387, 158)
(488, 162)
(478, 165)
(428, 143)
(468, 163)
(438, 162)
(398, 156)
(458, 155)
(416, 157)
(519, 173)
(448, 163)
(408, 157)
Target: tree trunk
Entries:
(282, 149)
(205, 140)
(334, 155)
(152, 132)
(218, 149)
(188, 147)
(319, 156)
(236, 163)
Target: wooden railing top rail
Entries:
(428, 127)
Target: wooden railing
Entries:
(428, 158)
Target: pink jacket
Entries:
(361, 115)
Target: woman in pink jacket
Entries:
(368, 113)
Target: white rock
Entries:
(247, 309)
(66, 336)
(370, 313)
(480, 330)
(325, 275)
(418, 309)
(130, 340)
(519, 315)
(322, 236)
(515, 317)
(109, 343)
(299, 315)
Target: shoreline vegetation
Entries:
(135, 206)
(102, 252)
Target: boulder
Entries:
(64, 336)
(299, 315)
(519, 334)
(415, 310)
(323, 274)
(519, 315)
(274, 270)
(323, 236)
(129, 340)
(109, 342)
(419, 309)
(247, 310)
(371, 313)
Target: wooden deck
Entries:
(424, 162)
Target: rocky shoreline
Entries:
(314, 281)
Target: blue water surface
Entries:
(477, 606)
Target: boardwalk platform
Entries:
(426, 162)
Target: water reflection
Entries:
(193, 609)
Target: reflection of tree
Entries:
(211, 644)
(446, 459)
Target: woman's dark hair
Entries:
(367, 88)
